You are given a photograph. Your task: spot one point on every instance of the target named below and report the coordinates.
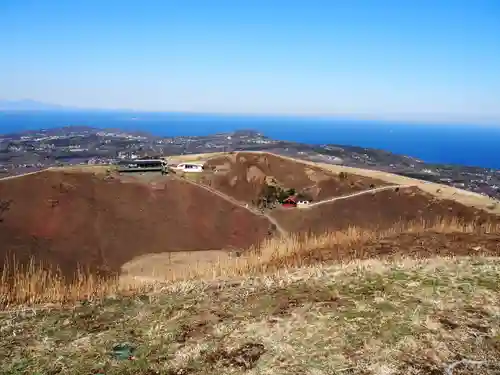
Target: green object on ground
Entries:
(122, 351)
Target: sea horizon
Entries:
(445, 143)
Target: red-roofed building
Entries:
(290, 201)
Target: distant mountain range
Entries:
(30, 105)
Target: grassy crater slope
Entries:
(370, 317)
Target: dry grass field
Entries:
(415, 297)
(376, 316)
(283, 308)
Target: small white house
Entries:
(303, 203)
(189, 167)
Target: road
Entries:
(230, 199)
(357, 194)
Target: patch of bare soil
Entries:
(69, 219)
(380, 210)
(243, 176)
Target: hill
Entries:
(102, 223)
(65, 218)
(243, 175)
(378, 211)
(342, 197)
(403, 282)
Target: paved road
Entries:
(230, 199)
(371, 191)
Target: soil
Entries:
(100, 223)
(380, 210)
(242, 176)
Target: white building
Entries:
(189, 167)
(302, 203)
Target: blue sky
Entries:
(414, 59)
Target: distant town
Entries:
(29, 151)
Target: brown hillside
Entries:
(242, 176)
(379, 210)
(68, 218)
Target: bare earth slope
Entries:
(380, 210)
(67, 218)
(440, 191)
(243, 174)
(437, 190)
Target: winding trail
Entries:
(230, 199)
(357, 194)
(271, 219)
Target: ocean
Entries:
(472, 145)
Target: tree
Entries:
(282, 195)
(268, 195)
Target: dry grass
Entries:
(38, 284)
(281, 253)
(370, 317)
(262, 313)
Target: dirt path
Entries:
(228, 198)
(371, 191)
(23, 174)
(271, 219)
